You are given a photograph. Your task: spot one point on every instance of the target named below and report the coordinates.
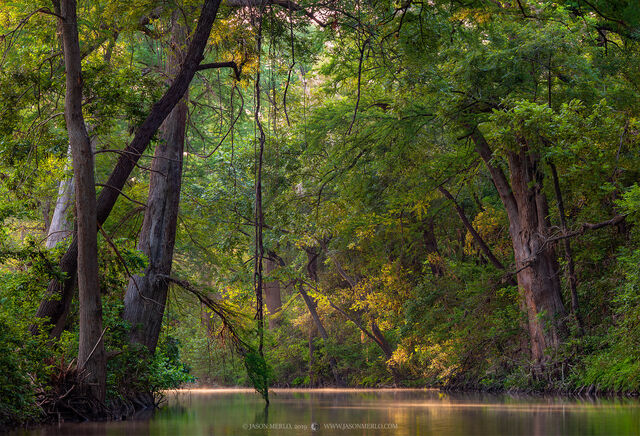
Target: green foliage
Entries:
(615, 366)
(259, 372)
(25, 359)
(133, 370)
(17, 396)
(378, 113)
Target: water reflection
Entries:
(377, 412)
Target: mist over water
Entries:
(368, 411)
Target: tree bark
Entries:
(55, 305)
(312, 353)
(536, 265)
(146, 295)
(272, 294)
(61, 226)
(311, 305)
(91, 355)
(431, 245)
(381, 341)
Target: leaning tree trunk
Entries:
(312, 270)
(146, 295)
(91, 355)
(319, 327)
(376, 334)
(55, 305)
(536, 265)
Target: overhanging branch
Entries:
(285, 4)
(588, 226)
(236, 69)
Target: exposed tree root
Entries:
(67, 398)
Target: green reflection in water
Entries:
(369, 412)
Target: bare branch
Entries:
(121, 193)
(476, 236)
(213, 65)
(588, 226)
(355, 110)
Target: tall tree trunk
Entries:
(146, 296)
(55, 305)
(272, 294)
(535, 261)
(91, 355)
(536, 264)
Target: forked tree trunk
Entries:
(146, 295)
(91, 355)
(536, 265)
(55, 305)
(536, 261)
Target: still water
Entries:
(349, 412)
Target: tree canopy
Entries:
(346, 192)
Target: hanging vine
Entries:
(258, 363)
